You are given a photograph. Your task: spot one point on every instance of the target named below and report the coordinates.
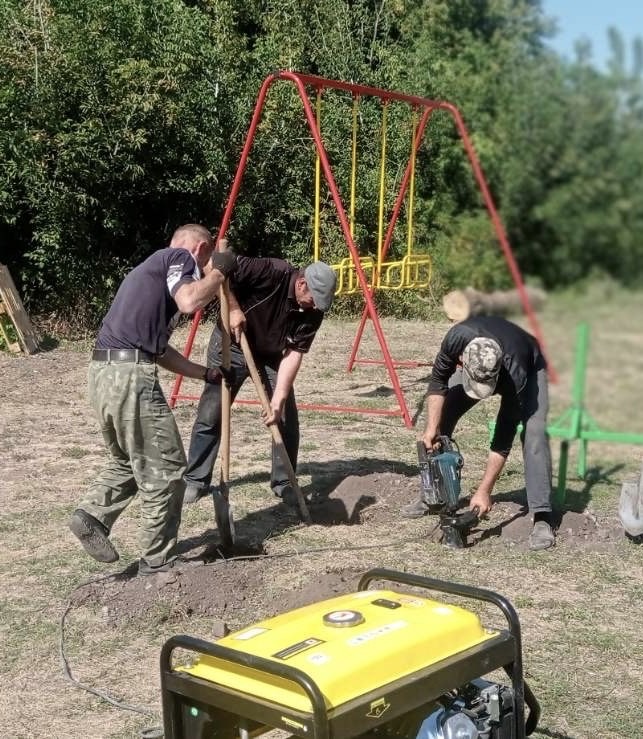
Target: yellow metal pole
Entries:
(353, 166)
(380, 224)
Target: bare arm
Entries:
(180, 365)
(481, 499)
(434, 406)
(288, 369)
(191, 296)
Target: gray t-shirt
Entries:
(143, 313)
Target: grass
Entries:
(578, 604)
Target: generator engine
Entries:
(478, 710)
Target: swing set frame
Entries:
(425, 108)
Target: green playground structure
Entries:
(576, 424)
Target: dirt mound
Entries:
(230, 589)
(358, 499)
(222, 589)
(512, 523)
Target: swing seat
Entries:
(413, 271)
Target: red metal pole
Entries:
(500, 232)
(186, 353)
(225, 221)
(241, 167)
(372, 311)
(389, 233)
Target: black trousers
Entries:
(206, 432)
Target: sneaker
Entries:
(93, 535)
(194, 493)
(415, 510)
(542, 536)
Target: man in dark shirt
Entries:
(145, 449)
(480, 357)
(280, 308)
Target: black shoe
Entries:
(145, 569)
(415, 510)
(93, 536)
(289, 497)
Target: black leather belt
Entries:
(123, 355)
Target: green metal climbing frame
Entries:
(576, 424)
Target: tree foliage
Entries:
(119, 121)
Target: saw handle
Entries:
(468, 519)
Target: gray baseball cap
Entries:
(481, 363)
(322, 282)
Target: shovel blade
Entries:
(223, 515)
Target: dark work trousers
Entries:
(206, 432)
(532, 413)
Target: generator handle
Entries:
(534, 710)
(320, 719)
(480, 594)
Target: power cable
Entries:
(156, 732)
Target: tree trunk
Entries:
(461, 304)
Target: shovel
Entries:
(274, 429)
(222, 512)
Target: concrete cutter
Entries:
(372, 663)
(440, 471)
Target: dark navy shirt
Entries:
(265, 291)
(143, 313)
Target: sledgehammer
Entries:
(274, 428)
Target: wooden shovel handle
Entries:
(226, 394)
(274, 428)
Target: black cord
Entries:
(156, 732)
(67, 673)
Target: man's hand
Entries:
(224, 261)
(482, 501)
(430, 438)
(276, 412)
(237, 323)
(213, 376)
(229, 375)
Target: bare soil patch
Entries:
(575, 602)
(223, 582)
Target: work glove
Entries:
(224, 261)
(229, 375)
(213, 376)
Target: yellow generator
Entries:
(373, 663)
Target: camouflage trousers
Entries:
(145, 455)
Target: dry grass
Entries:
(579, 606)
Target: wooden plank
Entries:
(11, 346)
(27, 335)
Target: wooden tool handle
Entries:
(274, 428)
(226, 394)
